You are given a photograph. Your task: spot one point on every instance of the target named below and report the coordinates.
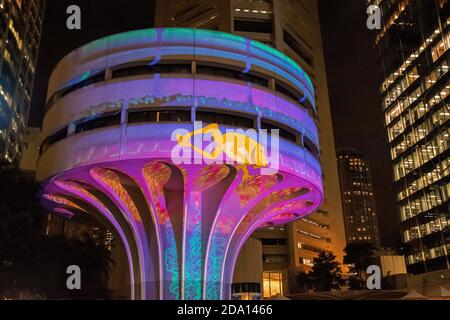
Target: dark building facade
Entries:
(20, 32)
(413, 58)
(358, 200)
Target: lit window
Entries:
(273, 284)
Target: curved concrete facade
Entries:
(121, 143)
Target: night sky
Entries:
(355, 104)
(99, 18)
(356, 110)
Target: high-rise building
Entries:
(182, 142)
(20, 32)
(413, 59)
(358, 200)
(292, 27)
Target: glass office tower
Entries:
(20, 32)
(413, 58)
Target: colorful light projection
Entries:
(62, 200)
(237, 147)
(182, 225)
(203, 215)
(199, 42)
(156, 175)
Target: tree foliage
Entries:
(358, 256)
(33, 265)
(325, 274)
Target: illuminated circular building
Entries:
(169, 138)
